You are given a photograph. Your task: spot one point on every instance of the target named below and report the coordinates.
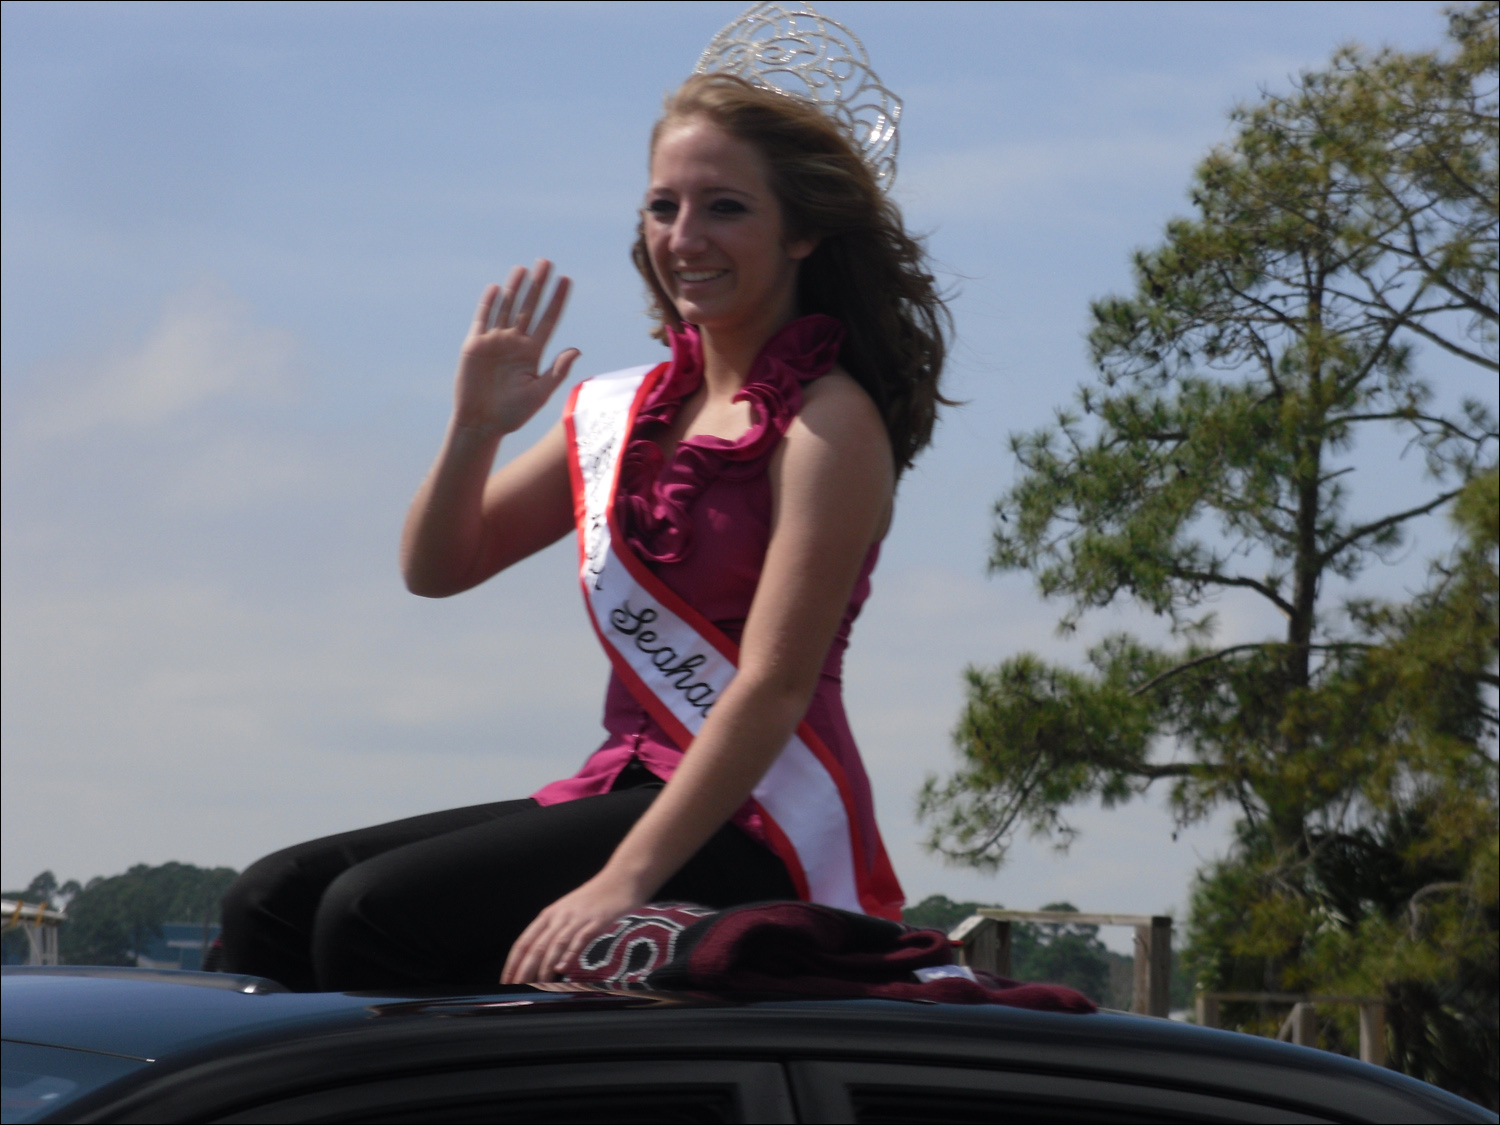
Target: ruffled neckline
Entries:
(654, 496)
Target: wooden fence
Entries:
(1300, 1025)
(985, 944)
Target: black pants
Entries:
(438, 900)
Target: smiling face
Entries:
(715, 234)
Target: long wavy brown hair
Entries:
(866, 271)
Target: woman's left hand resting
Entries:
(562, 930)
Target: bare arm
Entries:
(465, 525)
(832, 483)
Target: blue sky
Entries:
(239, 244)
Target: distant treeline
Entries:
(109, 919)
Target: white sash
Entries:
(677, 665)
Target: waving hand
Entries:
(464, 525)
(500, 383)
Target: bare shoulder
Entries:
(839, 413)
(835, 465)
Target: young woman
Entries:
(730, 504)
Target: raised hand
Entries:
(500, 384)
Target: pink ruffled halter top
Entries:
(701, 520)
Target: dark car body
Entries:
(144, 1045)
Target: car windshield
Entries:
(39, 1080)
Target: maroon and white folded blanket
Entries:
(796, 948)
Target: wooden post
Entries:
(982, 949)
(1152, 988)
(1284, 1032)
(1372, 1033)
(1161, 967)
(1140, 988)
(985, 944)
(1206, 1010)
(1002, 948)
(1304, 1025)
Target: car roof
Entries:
(149, 1014)
(163, 1015)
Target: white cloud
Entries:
(234, 471)
(205, 345)
(1029, 178)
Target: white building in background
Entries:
(38, 923)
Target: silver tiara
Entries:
(794, 50)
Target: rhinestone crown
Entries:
(796, 50)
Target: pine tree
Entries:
(1344, 238)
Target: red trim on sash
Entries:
(879, 892)
(786, 851)
(575, 470)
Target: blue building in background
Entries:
(180, 946)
